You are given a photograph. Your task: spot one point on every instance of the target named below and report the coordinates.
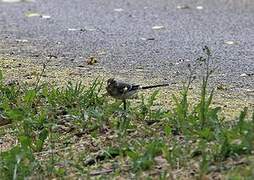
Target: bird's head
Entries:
(111, 81)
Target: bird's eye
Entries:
(111, 81)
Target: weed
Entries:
(18, 163)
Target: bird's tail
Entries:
(154, 86)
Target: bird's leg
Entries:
(124, 105)
(122, 124)
(125, 110)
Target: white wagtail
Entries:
(123, 91)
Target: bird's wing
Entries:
(124, 87)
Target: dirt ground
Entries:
(25, 71)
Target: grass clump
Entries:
(77, 131)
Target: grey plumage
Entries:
(122, 90)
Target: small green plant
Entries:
(145, 160)
(201, 119)
(17, 163)
(174, 153)
(146, 111)
(238, 139)
(145, 107)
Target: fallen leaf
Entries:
(229, 42)
(22, 40)
(11, 1)
(139, 69)
(199, 7)
(204, 177)
(244, 75)
(89, 29)
(221, 87)
(118, 10)
(237, 141)
(4, 121)
(73, 29)
(45, 17)
(32, 14)
(160, 160)
(81, 66)
(249, 90)
(102, 53)
(158, 27)
(16, 1)
(91, 60)
(147, 39)
(182, 7)
(82, 29)
(101, 172)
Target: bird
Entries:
(122, 90)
